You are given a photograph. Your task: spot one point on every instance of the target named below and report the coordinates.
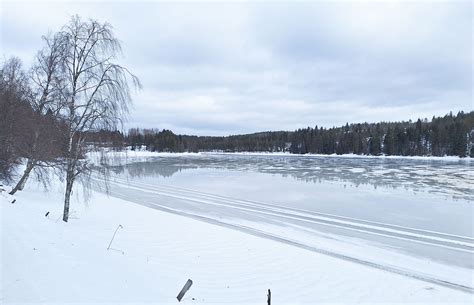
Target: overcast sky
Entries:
(226, 68)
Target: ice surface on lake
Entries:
(428, 194)
(330, 184)
(454, 179)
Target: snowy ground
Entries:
(435, 256)
(44, 260)
(256, 246)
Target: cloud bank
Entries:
(227, 68)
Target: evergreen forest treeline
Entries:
(451, 135)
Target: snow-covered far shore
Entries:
(432, 158)
(123, 157)
(45, 260)
(142, 155)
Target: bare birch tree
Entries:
(96, 90)
(47, 83)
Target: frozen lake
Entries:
(413, 216)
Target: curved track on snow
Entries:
(436, 239)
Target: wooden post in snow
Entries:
(269, 297)
(184, 290)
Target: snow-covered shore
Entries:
(142, 155)
(45, 260)
(431, 158)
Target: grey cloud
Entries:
(212, 68)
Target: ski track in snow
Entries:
(437, 239)
(460, 243)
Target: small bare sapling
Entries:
(111, 241)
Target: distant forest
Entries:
(451, 135)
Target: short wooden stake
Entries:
(184, 290)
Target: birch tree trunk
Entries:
(21, 184)
(69, 184)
